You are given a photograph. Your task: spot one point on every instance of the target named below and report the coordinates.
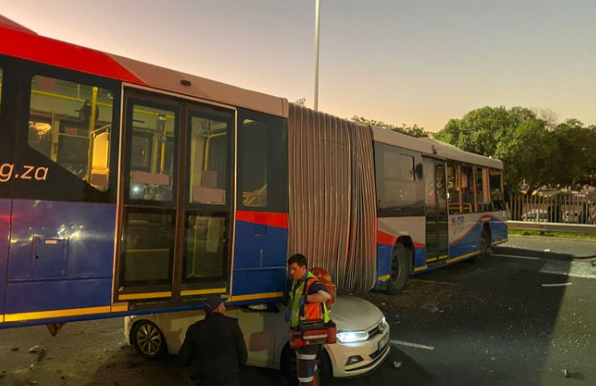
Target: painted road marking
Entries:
(557, 284)
(517, 257)
(573, 268)
(435, 282)
(409, 344)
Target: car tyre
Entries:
(149, 340)
(400, 269)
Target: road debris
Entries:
(557, 284)
(35, 349)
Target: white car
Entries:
(362, 335)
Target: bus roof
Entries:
(23, 43)
(433, 148)
(18, 41)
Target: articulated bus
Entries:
(130, 188)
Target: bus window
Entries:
(453, 188)
(396, 181)
(262, 162)
(70, 123)
(482, 189)
(496, 189)
(467, 188)
(147, 247)
(152, 154)
(209, 158)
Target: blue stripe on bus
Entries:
(58, 294)
(61, 256)
(384, 256)
(259, 258)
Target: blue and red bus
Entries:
(130, 188)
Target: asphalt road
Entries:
(524, 316)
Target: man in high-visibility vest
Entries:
(307, 305)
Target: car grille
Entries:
(376, 330)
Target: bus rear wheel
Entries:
(400, 267)
(485, 242)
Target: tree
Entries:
(530, 154)
(535, 150)
(480, 130)
(413, 131)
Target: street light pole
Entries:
(317, 17)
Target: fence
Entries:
(559, 208)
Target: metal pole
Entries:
(317, 17)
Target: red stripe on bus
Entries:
(385, 238)
(65, 55)
(279, 220)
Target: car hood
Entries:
(352, 313)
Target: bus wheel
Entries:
(400, 266)
(149, 340)
(485, 242)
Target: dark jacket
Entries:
(215, 348)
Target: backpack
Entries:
(323, 276)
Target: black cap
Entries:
(212, 302)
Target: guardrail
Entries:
(551, 227)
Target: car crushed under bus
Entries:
(363, 336)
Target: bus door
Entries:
(437, 243)
(176, 200)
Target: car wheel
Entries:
(149, 340)
(400, 266)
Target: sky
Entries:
(409, 62)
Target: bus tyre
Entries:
(400, 269)
(485, 242)
(149, 340)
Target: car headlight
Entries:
(352, 336)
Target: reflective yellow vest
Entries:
(295, 294)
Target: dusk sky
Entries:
(399, 61)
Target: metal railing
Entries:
(556, 213)
(559, 208)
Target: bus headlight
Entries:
(352, 336)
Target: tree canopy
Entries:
(413, 131)
(535, 149)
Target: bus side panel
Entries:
(384, 256)
(61, 258)
(464, 235)
(259, 258)
(4, 242)
(498, 229)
